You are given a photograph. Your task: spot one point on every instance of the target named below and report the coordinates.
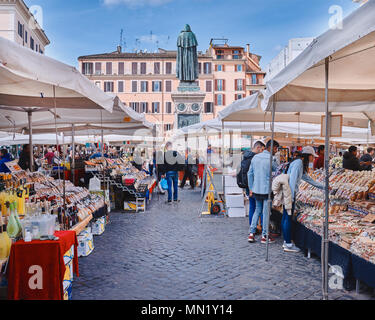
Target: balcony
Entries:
(229, 57)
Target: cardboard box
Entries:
(139, 205)
(85, 244)
(98, 226)
(236, 212)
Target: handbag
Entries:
(164, 184)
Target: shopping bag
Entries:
(164, 184)
(94, 184)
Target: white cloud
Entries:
(136, 3)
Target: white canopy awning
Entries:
(249, 110)
(27, 79)
(351, 51)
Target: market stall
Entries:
(333, 75)
(130, 189)
(43, 226)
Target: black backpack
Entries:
(242, 181)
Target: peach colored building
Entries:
(18, 24)
(145, 81)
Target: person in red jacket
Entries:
(319, 162)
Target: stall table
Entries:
(45, 258)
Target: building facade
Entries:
(18, 24)
(146, 81)
(286, 56)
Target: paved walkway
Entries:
(169, 253)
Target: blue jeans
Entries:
(286, 226)
(172, 178)
(252, 205)
(261, 208)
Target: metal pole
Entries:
(269, 202)
(73, 155)
(325, 242)
(31, 148)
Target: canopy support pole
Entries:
(73, 155)
(269, 201)
(325, 242)
(31, 147)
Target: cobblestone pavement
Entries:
(170, 253)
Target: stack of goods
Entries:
(121, 170)
(351, 212)
(32, 205)
(336, 162)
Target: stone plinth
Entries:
(188, 102)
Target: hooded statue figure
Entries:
(187, 57)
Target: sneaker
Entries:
(291, 248)
(270, 240)
(284, 244)
(251, 238)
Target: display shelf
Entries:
(79, 227)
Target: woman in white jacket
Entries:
(298, 170)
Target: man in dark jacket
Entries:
(173, 163)
(24, 160)
(188, 170)
(350, 160)
(366, 159)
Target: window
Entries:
(156, 86)
(239, 67)
(108, 67)
(209, 86)
(134, 106)
(98, 68)
(87, 68)
(219, 67)
(168, 127)
(134, 86)
(143, 67)
(26, 36)
(120, 86)
(168, 67)
(207, 68)
(108, 86)
(157, 68)
(98, 84)
(238, 85)
(220, 85)
(134, 68)
(220, 99)
(155, 107)
(121, 68)
(238, 96)
(254, 79)
(168, 86)
(236, 54)
(200, 67)
(219, 54)
(36, 48)
(31, 43)
(208, 107)
(144, 86)
(168, 107)
(144, 107)
(20, 29)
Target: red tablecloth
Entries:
(48, 257)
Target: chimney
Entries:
(248, 49)
(119, 49)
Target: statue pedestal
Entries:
(188, 101)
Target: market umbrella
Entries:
(335, 73)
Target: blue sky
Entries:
(81, 27)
